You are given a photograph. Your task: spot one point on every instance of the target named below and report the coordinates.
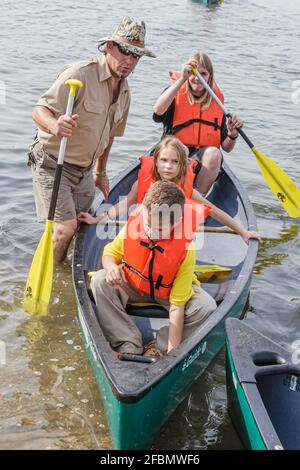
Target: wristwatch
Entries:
(100, 173)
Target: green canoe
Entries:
(139, 397)
(263, 389)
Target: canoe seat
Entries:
(150, 310)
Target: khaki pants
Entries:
(119, 327)
(76, 190)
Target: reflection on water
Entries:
(61, 408)
(265, 260)
(48, 394)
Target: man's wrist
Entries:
(100, 173)
(51, 125)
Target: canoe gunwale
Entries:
(157, 371)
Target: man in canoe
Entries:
(153, 258)
(188, 111)
(99, 115)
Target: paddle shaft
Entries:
(219, 102)
(59, 166)
(279, 182)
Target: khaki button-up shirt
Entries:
(99, 118)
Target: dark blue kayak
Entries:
(263, 387)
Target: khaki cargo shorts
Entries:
(76, 190)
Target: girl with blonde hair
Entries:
(169, 162)
(187, 111)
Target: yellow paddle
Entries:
(39, 283)
(205, 272)
(279, 182)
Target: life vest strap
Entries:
(185, 124)
(158, 283)
(134, 270)
(152, 247)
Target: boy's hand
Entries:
(115, 276)
(176, 321)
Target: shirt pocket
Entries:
(93, 107)
(90, 116)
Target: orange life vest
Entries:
(151, 266)
(146, 178)
(191, 125)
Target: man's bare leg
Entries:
(63, 233)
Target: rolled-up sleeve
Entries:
(56, 97)
(116, 247)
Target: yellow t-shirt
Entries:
(182, 290)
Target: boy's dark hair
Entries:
(168, 195)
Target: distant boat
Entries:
(139, 397)
(209, 2)
(263, 388)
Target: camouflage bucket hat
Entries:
(130, 34)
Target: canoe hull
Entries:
(134, 426)
(138, 398)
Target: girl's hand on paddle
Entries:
(102, 182)
(115, 276)
(87, 218)
(233, 124)
(247, 234)
(65, 125)
(186, 71)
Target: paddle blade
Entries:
(39, 283)
(207, 272)
(280, 183)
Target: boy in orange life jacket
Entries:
(152, 264)
(187, 110)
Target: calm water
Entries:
(48, 394)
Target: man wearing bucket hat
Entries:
(99, 115)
